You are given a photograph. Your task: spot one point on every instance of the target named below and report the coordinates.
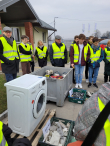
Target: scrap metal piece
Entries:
(65, 132)
(53, 128)
(63, 140)
(55, 138)
(62, 124)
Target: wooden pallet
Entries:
(37, 133)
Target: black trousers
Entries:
(87, 71)
(73, 74)
(106, 78)
(32, 66)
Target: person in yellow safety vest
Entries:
(25, 55)
(41, 53)
(87, 65)
(3, 141)
(88, 115)
(6, 140)
(107, 62)
(58, 53)
(76, 39)
(94, 62)
(32, 64)
(8, 54)
(79, 55)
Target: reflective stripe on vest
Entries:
(108, 54)
(10, 52)
(107, 123)
(95, 57)
(42, 53)
(23, 57)
(76, 53)
(58, 52)
(3, 142)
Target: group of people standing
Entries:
(11, 54)
(89, 55)
(81, 54)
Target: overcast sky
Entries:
(82, 11)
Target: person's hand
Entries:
(33, 56)
(72, 65)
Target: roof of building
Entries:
(16, 12)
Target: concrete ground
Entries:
(70, 110)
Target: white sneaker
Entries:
(80, 85)
(76, 86)
(87, 81)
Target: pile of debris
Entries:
(55, 75)
(57, 133)
(78, 95)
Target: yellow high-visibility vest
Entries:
(108, 54)
(95, 57)
(3, 142)
(107, 123)
(10, 52)
(76, 53)
(42, 53)
(72, 44)
(58, 52)
(23, 57)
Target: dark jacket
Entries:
(12, 141)
(97, 63)
(23, 51)
(42, 62)
(58, 62)
(83, 62)
(9, 66)
(107, 63)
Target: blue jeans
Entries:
(10, 77)
(79, 73)
(96, 70)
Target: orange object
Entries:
(103, 46)
(57, 77)
(76, 143)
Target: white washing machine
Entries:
(26, 101)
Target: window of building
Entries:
(44, 37)
(16, 34)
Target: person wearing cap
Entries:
(32, 56)
(9, 55)
(58, 53)
(25, 55)
(41, 53)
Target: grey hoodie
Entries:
(89, 114)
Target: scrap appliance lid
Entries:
(25, 81)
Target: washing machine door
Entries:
(39, 104)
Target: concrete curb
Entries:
(3, 115)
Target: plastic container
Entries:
(57, 89)
(75, 99)
(41, 143)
